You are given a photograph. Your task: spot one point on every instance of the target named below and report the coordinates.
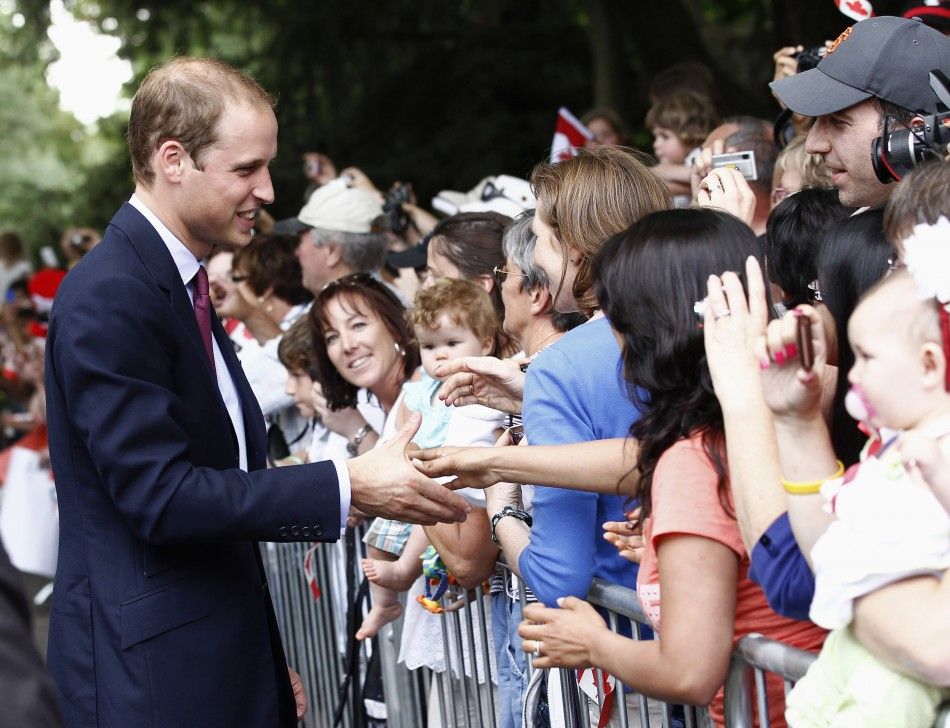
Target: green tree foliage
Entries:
(45, 151)
(441, 93)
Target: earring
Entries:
(399, 349)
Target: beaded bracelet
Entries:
(812, 487)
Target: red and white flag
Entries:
(598, 685)
(308, 573)
(569, 136)
(855, 9)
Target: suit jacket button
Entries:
(282, 532)
(295, 531)
(306, 531)
(317, 531)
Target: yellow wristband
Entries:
(812, 487)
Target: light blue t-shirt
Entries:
(435, 417)
(574, 392)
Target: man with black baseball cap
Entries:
(877, 67)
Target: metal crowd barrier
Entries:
(314, 639)
(753, 657)
(313, 629)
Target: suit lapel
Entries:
(154, 254)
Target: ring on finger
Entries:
(722, 314)
(537, 648)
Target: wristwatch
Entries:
(354, 445)
(514, 513)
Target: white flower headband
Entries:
(927, 256)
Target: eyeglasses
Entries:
(502, 273)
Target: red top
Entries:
(686, 501)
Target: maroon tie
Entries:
(203, 311)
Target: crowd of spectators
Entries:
(685, 348)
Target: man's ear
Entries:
(933, 362)
(333, 250)
(170, 161)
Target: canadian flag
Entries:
(855, 9)
(569, 136)
(596, 683)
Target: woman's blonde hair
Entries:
(590, 198)
(810, 167)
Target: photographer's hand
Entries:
(702, 165)
(726, 189)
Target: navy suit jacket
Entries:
(161, 613)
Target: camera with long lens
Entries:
(896, 152)
(399, 194)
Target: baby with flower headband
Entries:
(889, 522)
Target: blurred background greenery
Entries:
(433, 92)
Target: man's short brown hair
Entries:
(184, 100)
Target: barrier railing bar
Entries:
(737, 707)
(447, 677)
(473, 654)
(523, 600)
(312, 652)
(331, 677)
(772, 656)
(617, 599)
(483, 631)
(620, 699)
(441, 687)
(327, 623)
(762, 699)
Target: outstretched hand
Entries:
(626, 536)
(486, 380)
(472, 466)
(384, 483)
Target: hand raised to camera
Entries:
(726, 189)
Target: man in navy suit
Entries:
(161, 614)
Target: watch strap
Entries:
(512, 511)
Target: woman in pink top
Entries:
(693, 580)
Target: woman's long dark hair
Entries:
(647, 280)
(852, 258)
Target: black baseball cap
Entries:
(888, 58)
